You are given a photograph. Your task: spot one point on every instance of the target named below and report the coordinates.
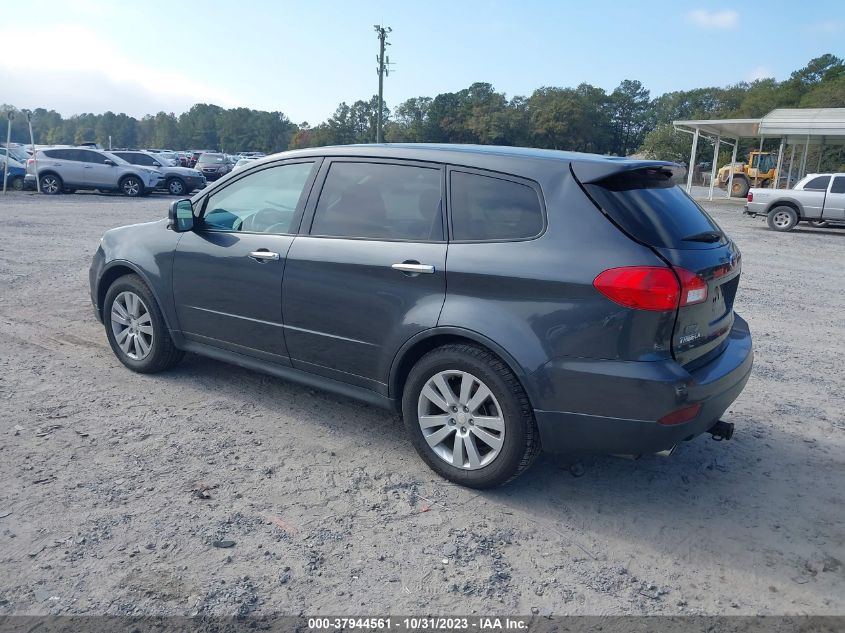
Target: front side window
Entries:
(262, 202)
(380, 201)
(491, 208)
(819, 183)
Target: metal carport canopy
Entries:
(793, 126)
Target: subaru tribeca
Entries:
(500, 299)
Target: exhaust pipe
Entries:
(722, 430)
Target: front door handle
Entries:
(414, 268)
(264, 256)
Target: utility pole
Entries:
(383, 69)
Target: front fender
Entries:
(147, 250)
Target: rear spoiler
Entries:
(595, 171)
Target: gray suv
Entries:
(499, 299)
(178, 181)
(66, 169)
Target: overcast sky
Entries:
(303, 58)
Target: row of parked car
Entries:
(133, 172)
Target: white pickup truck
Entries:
(817, 198)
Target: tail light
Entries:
(651, 287)
(680, 416)
(750, 197)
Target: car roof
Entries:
(518, 160)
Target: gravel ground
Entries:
(119, 489)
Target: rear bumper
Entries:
(617, 403)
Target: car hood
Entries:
(181, 171)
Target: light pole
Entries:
(383, 69)
(11, 116)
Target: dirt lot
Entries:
(103, 471)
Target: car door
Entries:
(814, 195)
(66, 163)
(834, 202)
(370, 273)
(227, 273)
(98, 174)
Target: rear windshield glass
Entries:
(649, 206)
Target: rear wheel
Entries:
(17, 184)
(782, 219)
(131, 186)
(51, 184)
(136, 329)
(468, 417)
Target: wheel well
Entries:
(108, 278)
(125, 176)
(48, 172)
(423, 347)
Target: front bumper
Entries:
(613, 406)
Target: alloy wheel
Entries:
(461, 420)
(49, 184)
(131, 187)
(782, 219)
(132, 325)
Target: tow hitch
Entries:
(722, 430)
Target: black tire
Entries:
(131, 186)
(782, 218)
(51, 184)
(521, 443)
(740, 187)
(177, 187)
(17, 184)
(163, 354)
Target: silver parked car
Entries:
(817, 198)
(178, 181)
(66, 169)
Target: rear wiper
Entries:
(705, 236)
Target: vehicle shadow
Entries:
(709, 499)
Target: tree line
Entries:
(585, 118)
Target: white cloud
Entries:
(725, 19)
(73, 70)
(760, 72)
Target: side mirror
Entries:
(109, 162)
(181, 216)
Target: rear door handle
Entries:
(414, 267)
(264, 256)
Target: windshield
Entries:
(211, 158)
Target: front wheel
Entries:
(131, 186)
(136, 329)
(468, 417)
(739, 188)
(782, 219)
(176, 187)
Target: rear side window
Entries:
(819, 183)
(649, 206)
(838, 185)
(380, 201)
(490, 208)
